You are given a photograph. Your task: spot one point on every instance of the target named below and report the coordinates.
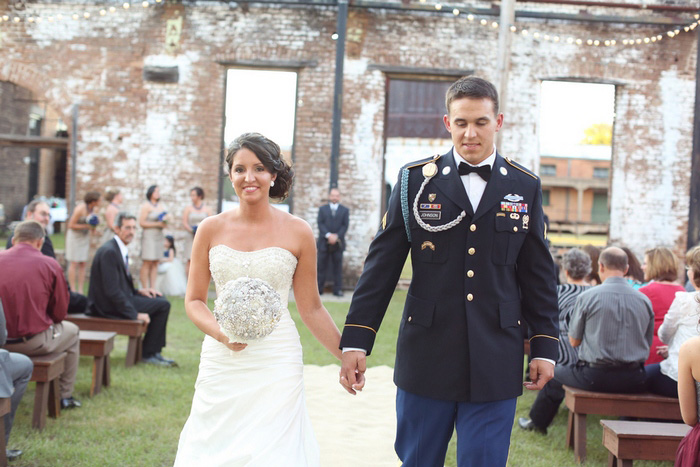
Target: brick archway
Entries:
(29, 77)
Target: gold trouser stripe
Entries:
(542, 335)
(361, 326)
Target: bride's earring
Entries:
(272, 183)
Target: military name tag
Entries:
(430, 215)
(430, 206)
(513, 207)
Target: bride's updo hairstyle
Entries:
(269, 154)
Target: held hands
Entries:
(332, 239)
(352, 371)
(540, 372)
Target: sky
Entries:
(263, 101)
(567, 109)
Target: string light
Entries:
(514, 29)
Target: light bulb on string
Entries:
(438, 6)
(470, 17)
(483, 22)
(126, 6)
(455, 12)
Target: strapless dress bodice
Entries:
(273, 265)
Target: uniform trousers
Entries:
(334, 261)
(61, 337)
(425, 426)
(158, 309)
(623, 379)
(19, 368)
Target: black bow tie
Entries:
(483, 171)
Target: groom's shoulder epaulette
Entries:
(422, 162)
(514, 164)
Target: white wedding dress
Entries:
(249, 407)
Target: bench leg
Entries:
(98, 368)
(41, 402)
(570, 431)
(580, 437)
(54, 399)
(133, 350)
(3, 457)
(612, 460)
(105, 373)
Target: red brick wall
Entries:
(133, 133)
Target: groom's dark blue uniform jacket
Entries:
(460, 336)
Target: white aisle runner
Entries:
(351, 430)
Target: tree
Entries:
(599, 134)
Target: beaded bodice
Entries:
(273, 265)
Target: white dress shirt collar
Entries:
(488, 161)
(122, 248)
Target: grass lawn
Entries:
(137, 420)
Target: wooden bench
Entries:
(581, 402)
(654, 441)
(47, 398)
(134, 328)
(4, 410)
(97, 344)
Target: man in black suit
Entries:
(39, 211)
(333, 219)
(473, 223)
(112, 293)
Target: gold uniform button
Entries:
(470, 273)
(410, 318)
(471, 251)
(515, 229)
(472, 227)
(470, 297)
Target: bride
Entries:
(248, 408)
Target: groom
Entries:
(473, 223)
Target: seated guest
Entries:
(680, 324)
(661, 271)
(576, 265)
(35, 298)
(594, 252)
(39, 211)
(15, 373)
(112, 293)
(635, 274)
(613, 324)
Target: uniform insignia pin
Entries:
(513, 198)
(427, 244)
(430, 169)
(432, 196)
(446, 170)
(504, 171)
(514, 215)
(526, 221)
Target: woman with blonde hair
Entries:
(661, 271)
(680, 324)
